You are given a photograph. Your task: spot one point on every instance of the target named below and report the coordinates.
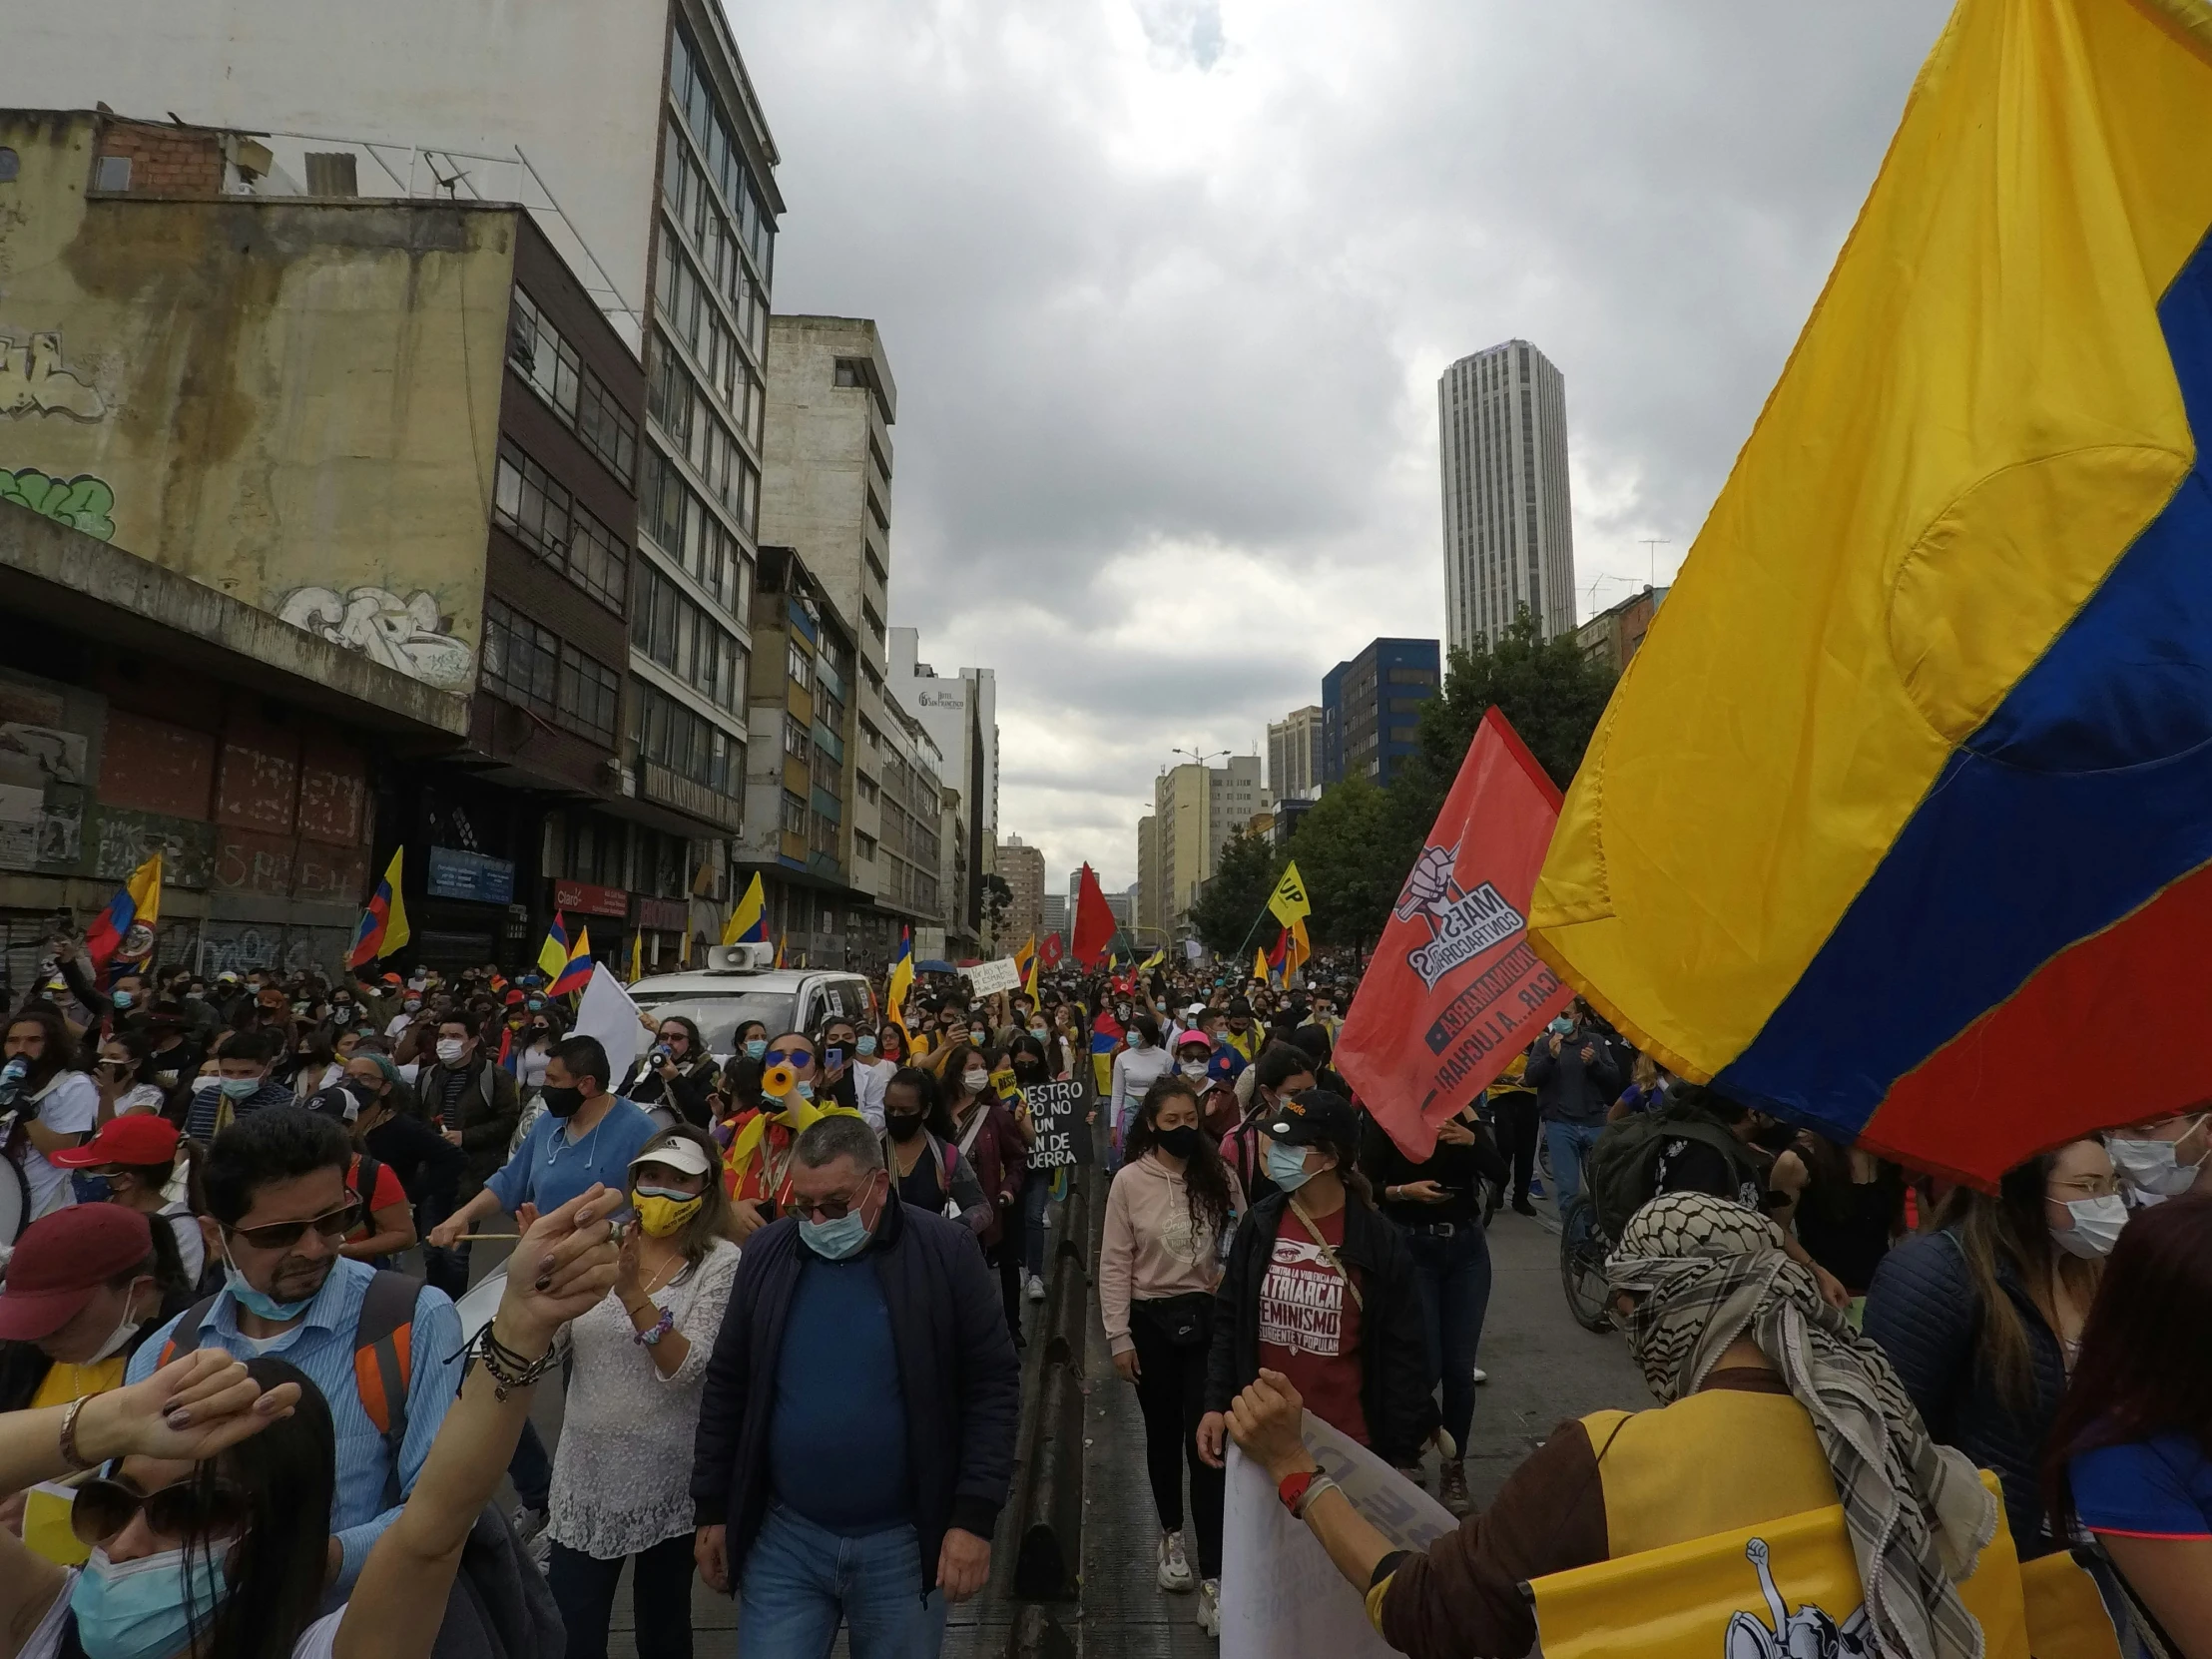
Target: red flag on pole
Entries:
(1051, 951)
(1454, 991)
(1094, 921)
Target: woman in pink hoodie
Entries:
(1169, 1216)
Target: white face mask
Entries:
(2153, 1166)
(975, 1082)
(121, 1335)
(450, 1050)
(1194, 1069)
(2095, 1228)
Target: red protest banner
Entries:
(1453, 991)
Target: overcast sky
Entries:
(1166, 286)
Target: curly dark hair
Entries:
(1205, 1176)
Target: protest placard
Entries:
(989, 978)
(1281, 1596)
(1062, 1134)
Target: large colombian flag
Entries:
(1902, 814)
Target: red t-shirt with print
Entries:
(1310, 1323)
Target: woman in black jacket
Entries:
(1323, 1290)
(677, 1072)
(1982, 1317)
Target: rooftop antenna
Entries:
(1652, 544)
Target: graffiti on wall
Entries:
(403, 634)
(35, 381)
(84, 502)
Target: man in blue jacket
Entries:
(857, 1436)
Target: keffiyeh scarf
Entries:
(1703, 1272)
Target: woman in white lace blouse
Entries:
(622, 1472)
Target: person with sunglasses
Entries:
(757, 1171)
(209, 1479)
(279, 1211)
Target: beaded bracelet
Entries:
(651, 1337)
(508, 1370)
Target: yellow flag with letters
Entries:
(1289, 902)
(1787, 1587)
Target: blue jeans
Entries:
(1454, 1278)
(1570, 1143)
(799, 1580)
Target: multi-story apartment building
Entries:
(961, 713)
(1022, 867)
(1194, 809)
(1508, 521)
(1370, 709)
(633, 138)
(827, 495)
(394, 445)
(1295, 753)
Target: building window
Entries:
(794, 739)
(540, 511)
(690, 533)
(795, 814)
(1412, 677)
(557, 373)
(670, 734)
(535, 669)
(796, 665)
(667, 625)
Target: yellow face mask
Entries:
(662, 1214)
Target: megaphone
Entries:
(779, 1080)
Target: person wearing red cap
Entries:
(136, 1155)
(82, 1290)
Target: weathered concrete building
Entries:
(402, 430)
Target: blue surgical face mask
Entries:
(754, 1047)
(122, 999)
(1562, 1026)
(237, 1088)
(258, 1302)
(865, 1045)
(1287, 1165)
(144, 1609)
(834, 1241)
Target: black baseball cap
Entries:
(1313, 1115)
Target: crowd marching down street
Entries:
(1833, 1008)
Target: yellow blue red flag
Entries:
(137, 908)
(902, 981)
(382, 928)
(575, 974)
(747, 923)
(553, 955)
(1897, 818)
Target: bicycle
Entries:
(1583, 1247)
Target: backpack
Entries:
(1619, 1172)
(384, 1359)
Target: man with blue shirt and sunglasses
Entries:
(863, 1336)
(277, 1210)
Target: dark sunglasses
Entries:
(192, 1508)
(282, 1235)
(833, 1209)
(789, 1057)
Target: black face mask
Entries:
(562, 1103)
(902, 1126)
(1030, 1071)
(1179, 1142)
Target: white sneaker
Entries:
(1208, 1607)
(1175, 1566)
(1482, 1375)
(1036, 1289)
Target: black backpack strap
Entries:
(184, 1336)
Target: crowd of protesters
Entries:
(263, 1194)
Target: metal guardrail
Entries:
(1048, 1565)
